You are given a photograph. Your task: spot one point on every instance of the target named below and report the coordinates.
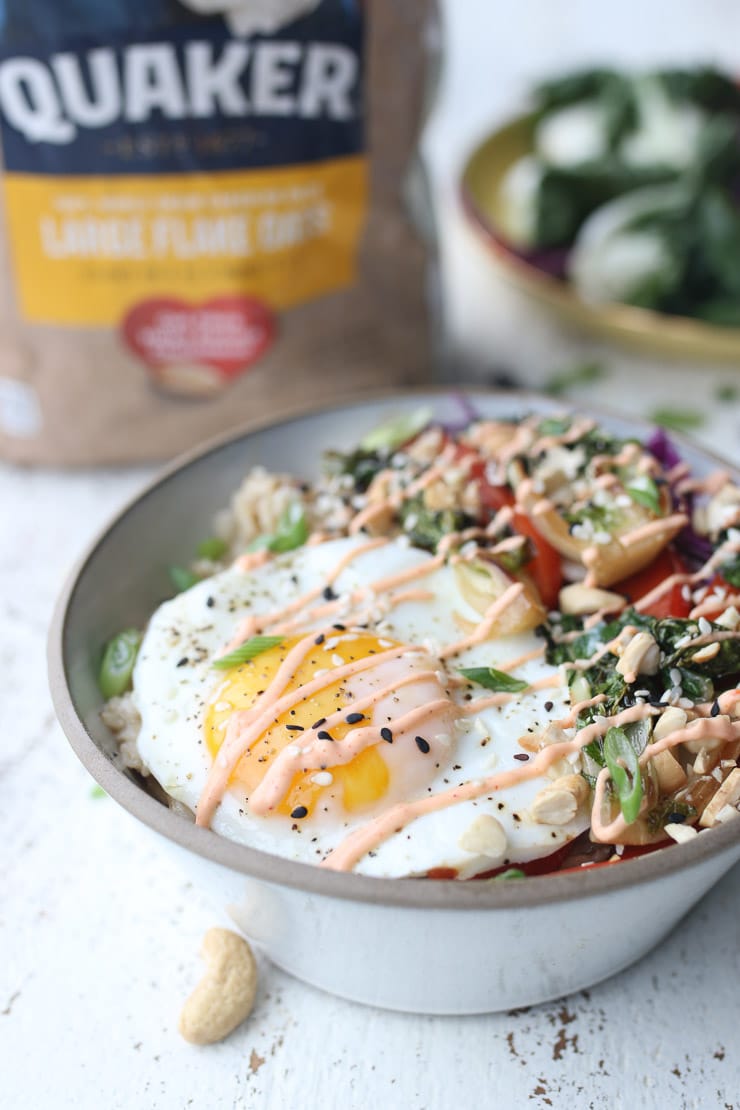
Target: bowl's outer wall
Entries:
(461, 959)
(453, 961)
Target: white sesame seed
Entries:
(704, 626)
(322, 778)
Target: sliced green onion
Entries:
(292, 530)
(492, 679)
(246, 651)
(678, 420)
(581, 374)
(117, 666)
(212, 548)
(580, 689)
(510, 873)
(259, 543)
(624, 768)
(554, 426)
(182, 578)
(644, 491)
(396, 431)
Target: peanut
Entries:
(729, 619)
(579, 600)
(669, 721)
(641, 656)
(225, 995)
(486, 837)
(706, 653)
(727, 797)
(559, 802)
(681, 833)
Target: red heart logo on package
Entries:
(197, 349)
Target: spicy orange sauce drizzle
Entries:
(246, 726)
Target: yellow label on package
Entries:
(85, 248)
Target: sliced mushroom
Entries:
(606, 562)
(481, 583)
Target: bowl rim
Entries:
(403, 892)
(630, 321)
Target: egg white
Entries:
(174, 680)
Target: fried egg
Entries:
(358, 707)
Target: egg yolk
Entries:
(359, 783)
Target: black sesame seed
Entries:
(210, 602)
(324, 735)
(549, 707)
(328, 594)
(183, 662)
(715, 709)
(522, 756)
(320, 639)
(340, 627)
(298, 812)
(317, 724)
(422, 744)
(295, 728)
(354, 718)
(387, 735)
(675, 818)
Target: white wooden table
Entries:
(91, 982)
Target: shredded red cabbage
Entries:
(697, 549)
(662, 447)
(551, 260)
(468, 411)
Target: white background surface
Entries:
(99, 937)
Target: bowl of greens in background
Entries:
(616, 203)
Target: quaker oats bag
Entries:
(202, 216)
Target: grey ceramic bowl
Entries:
(421, 945)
